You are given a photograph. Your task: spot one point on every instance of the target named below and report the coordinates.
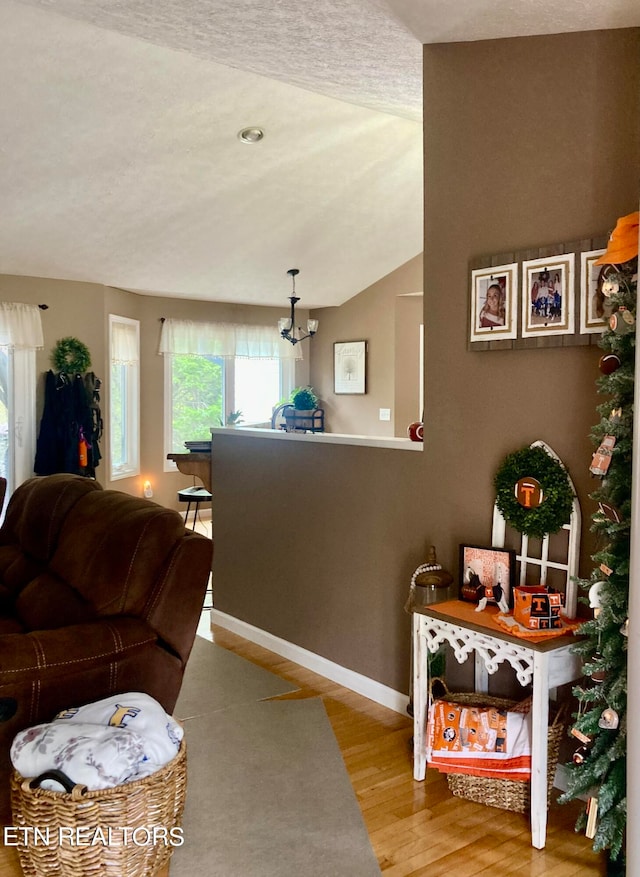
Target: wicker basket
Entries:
(124, 831)
(511, 795)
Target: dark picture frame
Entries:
(350, 368)
(483, 566)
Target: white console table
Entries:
(545, 664)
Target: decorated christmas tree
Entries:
(598, 769)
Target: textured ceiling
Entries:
(120, 160)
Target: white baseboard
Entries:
(363, 685)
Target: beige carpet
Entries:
(218, 679)
(268, 794)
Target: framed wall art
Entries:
(548, 296)
(594, 310)
(483, 568)
(349, 367)
(493, 309)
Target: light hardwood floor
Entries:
(417, 828)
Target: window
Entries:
(202, 391)
(215, 370)
(195, 398)
(17, 415)
(124, 397)
(256, 388)
(20, 337)
(6, 384)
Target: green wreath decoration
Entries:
(71, 356)
(555, 509)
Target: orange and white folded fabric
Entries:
(480, 741)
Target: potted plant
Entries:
(304, 399)
(234, 418)
(304, 402)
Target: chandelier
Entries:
(287, 326)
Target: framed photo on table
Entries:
(547, 296)
(493, 303)
(486, 571)
(350, 367)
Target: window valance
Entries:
(225, 339)
(20, 326)
(125, 346)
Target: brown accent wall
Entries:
(517, 154)
(528, 142)
(317, 545)
(370, 316)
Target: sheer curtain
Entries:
(21, 335)
(225, 339)
(125, 344)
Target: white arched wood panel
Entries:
(542, 562)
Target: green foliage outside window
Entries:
(198, 398)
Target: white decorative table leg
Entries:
(481, 676)
(420, 699)
(539, 731)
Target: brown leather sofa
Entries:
(100, 593)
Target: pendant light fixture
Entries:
(287, 326)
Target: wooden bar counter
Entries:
(196, 463)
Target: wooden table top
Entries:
(464, 613)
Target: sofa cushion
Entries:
(17, 568)
(8, 621)
(9, 624)
(36, 516)
(114, 548)
(47, 603)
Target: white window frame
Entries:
(22, 427)
(131, 375)
(168, 465)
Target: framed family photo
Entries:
(548, 295)
(349, 367)
(594, 307)
(493, 311)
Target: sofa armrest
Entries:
(46, 671)
(67, 650)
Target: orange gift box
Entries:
(537, 608)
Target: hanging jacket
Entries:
(70, 412)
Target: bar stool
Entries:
(193, 496)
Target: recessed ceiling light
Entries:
(251, 135)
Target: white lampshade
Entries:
(312, 326)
